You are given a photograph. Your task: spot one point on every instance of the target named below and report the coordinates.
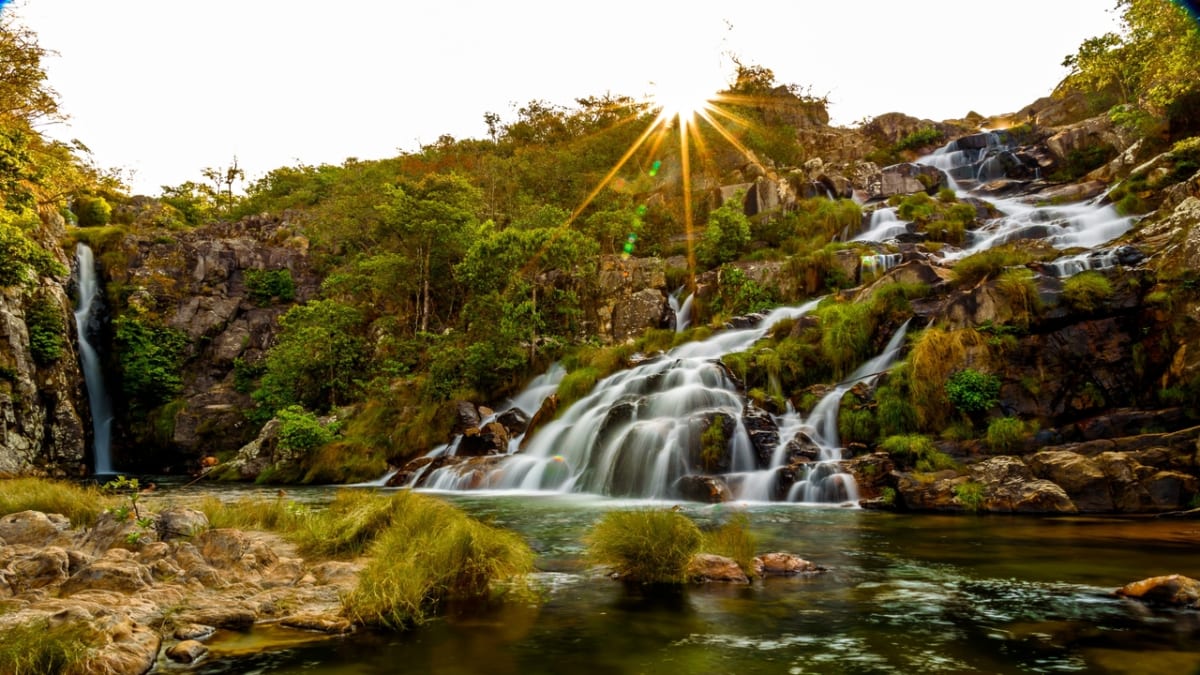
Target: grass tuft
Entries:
(37, 647)
(733, 540)
(81, 504)
(645, 545)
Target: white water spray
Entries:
(89, 361)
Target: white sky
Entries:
(165, 88)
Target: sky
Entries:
(162, 89)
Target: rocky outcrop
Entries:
(630, 297)
(1117, 481)
(909, 178)
(43, 406)
(136, 597)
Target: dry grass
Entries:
(935, 355)
(649, 546)
(81, 504)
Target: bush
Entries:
(732, 540)
(970, 495)
(82, 505)
(19, 255)
(1085, 291)
(301, 431)
(1004, 433)
(1019, 289)
(150, 356)
(935, 355)
(973, 392)
(431, 552)
(713, 444)
(918, 452)
(987, 264)
(727, 234)
(266, 286)
(645, 546)
(44, 321)
(92, 211)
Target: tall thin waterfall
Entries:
(89, 360)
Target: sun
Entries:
(683, 88)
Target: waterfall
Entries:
(883, 225)
(632, 435)
(89, 360)
(683, 312)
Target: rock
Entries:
(1173, 590)
(320, 623)
(514, 420)
(713, 457)
(466, 416)
(491, 439)
(640, 311)
(763, 432)
(233, 615)
(193, 631)
(33, 528)
(545, 413)
(407, 473)
(872, 472)
(178, 522)
(700, 488)
(110, 573)
(802, 448)
(1009, 486)
(1082, 136)
(33, 569)
(909, 178)
(187, 651)
(784, 564)
(1081, 478)
(223, 547)
(706, 567)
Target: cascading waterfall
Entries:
(631, 436)
(683, 311)
(883, 225)
(1085, 224)
(89, 360)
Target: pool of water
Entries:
(904, 594)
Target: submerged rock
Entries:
(707, 489)
(1174, 590)
(706, 567)
(784, 564)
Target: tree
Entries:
(318, 359)
(24, 93)
(727, 234)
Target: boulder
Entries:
(319, 623)
(706, 567)
(30, 569)
(763, 432)
(706, 489)
(514, 420)
(909, 178)
(110, 573)
(491, 439)
(1174, 590)
(1009, 486)
(784, 564)
(640, 311)
(466, 416)
(188, 651)
(33, 528)
(178, 522)
(1083, 136)
(544, 414)
(1080, 477)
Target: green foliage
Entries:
(39, 647)
(1081, 161)
(918, 452)
(44, 321)
(935, 355)
(577, 384)
(970, 495)
(727, 234)
(20, 257)
(1004, 434)
(972, 392)
(316, 362)
(266, 286)
(280, 515)
(846, 334)
(81, 504)
(301, 431)
(430, 553)
(988, 264)
(919, 139)
(649, 546)
(1018, 287)
(713, 444)
(732, 540)
(738, 294)
(150, 356)
(92, 211)
(1086, 291)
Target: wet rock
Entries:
(490, 439)
(193, 631)
(408, 472)
(802, 448)
(784, 564)
(713, 455)
(1174, 590)
(178, 522)
(706, 489)
(231, 615)
(763, 432)
(545, 413)
(28, 569)
(320, 623)
(188, 651)
(909, 178)
(1009, 487)
(466, 416)
(110, 573)
(706, 567)
(33, 528)
(872, 472)
(514, 420)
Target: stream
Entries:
(903, 594)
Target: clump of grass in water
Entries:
(82, 505)
(645, 545)
(430, 553)
(36, 647)
(733, 540)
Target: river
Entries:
(903, 594)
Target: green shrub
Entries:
(1019, 289)
(732, 540)
(1005, 433)
(150, 356)
(44, 321)
(970, 495)
(92, 211)
(301, 431)
(82, 505)
(713, 444)
(738, 294)
(988, 264)
(973, 392)
(577, 384)
(644, 545)
(20, 256)
(39, 647)
(266, 286)
(429, 553)
(856, 425)
(918, 452)
(727, 234)
(1085, 291)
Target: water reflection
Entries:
(904, 594)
